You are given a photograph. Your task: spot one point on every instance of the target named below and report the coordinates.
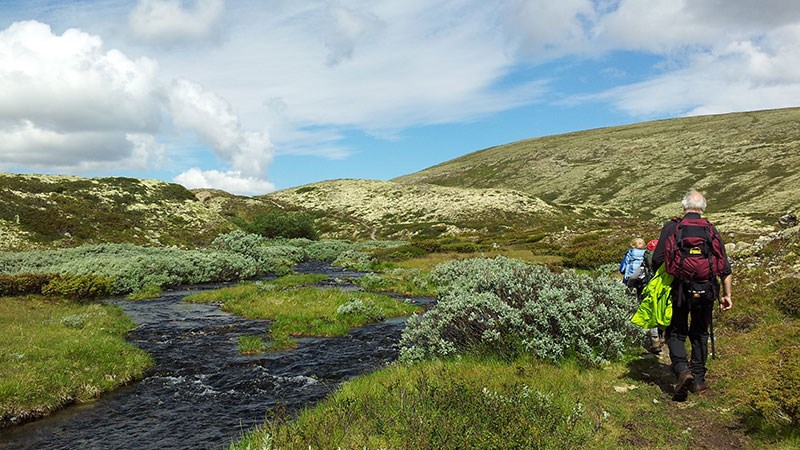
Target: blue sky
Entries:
(250, 96)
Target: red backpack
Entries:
(694, 252)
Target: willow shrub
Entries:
(24, 283)
(85, 287)
(507, 307)
(133, 267)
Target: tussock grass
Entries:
(411, 282)
(250, 345)
(147, 292)
(302, 310)
(52, 354)
(456, 404)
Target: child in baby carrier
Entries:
(638, 280)
(632, 260)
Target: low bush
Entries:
(589, 251)
(326, 250)
(776, 398)
(24, 283)
(506, 307)
(134, 267)
(287, 224)
(462, 247)
(401, 281)
(354, 260)
(359, 307)
(79, 287)
(786, 293)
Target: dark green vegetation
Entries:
(84, 287)
(462, 404)
(55, 353)
(284, 224)
(299, 310)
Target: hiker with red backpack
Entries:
(693, 252)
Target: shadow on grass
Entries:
(651, 369)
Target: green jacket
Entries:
(656, 307)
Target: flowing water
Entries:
(202, 393)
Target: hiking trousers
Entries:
(689, 319)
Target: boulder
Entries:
(788, 220)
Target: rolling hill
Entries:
(369, 208)
(49, 210)
(748, 164)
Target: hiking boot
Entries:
(655, 345)
(685, 382)
(699, 388)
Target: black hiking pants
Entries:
(689, 318)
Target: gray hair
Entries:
(694, 201)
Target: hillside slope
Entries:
(747, 163)
(49, 210)
(399, 210)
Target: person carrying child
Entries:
(637, 281)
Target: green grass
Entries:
(301, 311)
(475, 402)
(149, 291)
(583, 168)
(250, 345)
(409, 282)
(52, 354)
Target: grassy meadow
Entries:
(54, 353)
(298, 309)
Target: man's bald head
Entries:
(694, 201)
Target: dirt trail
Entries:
(704, 424)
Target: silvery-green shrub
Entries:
(327, 250)
(354, 260)
(133, 267)
(357, 306)
(508, 307)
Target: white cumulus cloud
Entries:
(211, 117)
(67, 104)
(66, 101)
(230, 181)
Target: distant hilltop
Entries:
(747, 163)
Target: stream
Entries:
(202, 393)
